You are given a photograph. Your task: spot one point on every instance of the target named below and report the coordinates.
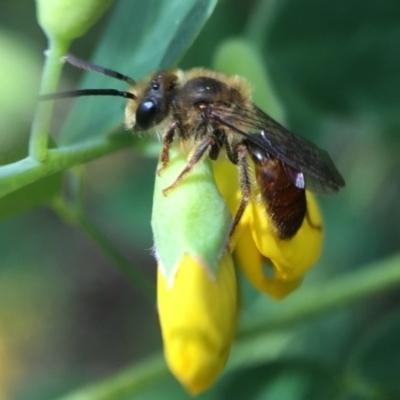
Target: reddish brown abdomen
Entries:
(285, 203)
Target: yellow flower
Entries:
(198, 320)
(257, 246)
(197, 290)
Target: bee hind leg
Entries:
(194, 158)
(244, 184)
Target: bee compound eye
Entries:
(146, 114)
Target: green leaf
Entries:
(241, 57)
(377, 357)
(141, 37)
(339, 58)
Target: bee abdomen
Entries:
(285, 203)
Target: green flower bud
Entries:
(65, 20)
(191, 218)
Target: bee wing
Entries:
(320, 174)
(319, 186)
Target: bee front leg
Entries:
(167, 140)
(244, 184)
(194, 158)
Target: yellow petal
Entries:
(226, 177)
(198, 318)
(253, 266)
(256, 243)
(291, 258)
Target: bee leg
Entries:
(167, 140)
(194, 158)
(244, 184)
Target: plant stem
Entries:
(21, 173)
(38, 142)
(132, 380)
(350, 288)
(78, 220)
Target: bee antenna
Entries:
(87, 92)
(76, 62)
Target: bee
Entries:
(207, 112)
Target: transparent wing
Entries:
(320, 173)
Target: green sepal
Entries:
(192, 218)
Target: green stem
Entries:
(21, 173)
(139, 280)
(132, 380)
(355, 286)
(50, 77)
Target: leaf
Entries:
(141, 37)
(241, 57)
(339, 58)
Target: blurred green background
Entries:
(69, 317)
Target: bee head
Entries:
(153, 102)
